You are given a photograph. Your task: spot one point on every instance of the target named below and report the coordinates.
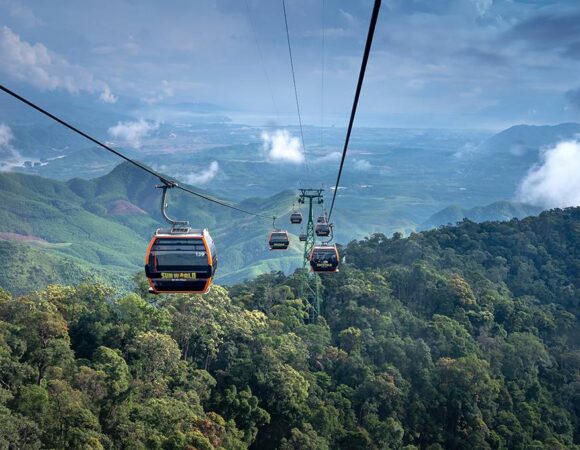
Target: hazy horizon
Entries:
(458, 64)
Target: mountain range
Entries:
(99, 216)
(103, 225)
(497, 211)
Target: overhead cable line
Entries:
(322, 75)
(166, 181)
(294, 79)
(262, 61)
(361, 77)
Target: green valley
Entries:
(103, 226)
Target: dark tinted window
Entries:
(179, 254)
(279, 237)
(324, 255)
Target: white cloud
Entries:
(132, 133)
(6, 135)
(20, 12)
(362, 165)
(555, 182)
(282, 146)
(37, 65)
(348, 17)
(203, 177)
(9, 156)
(330, 157)
(107, 96)
(165, 90)
(482, 6)
(467, 150)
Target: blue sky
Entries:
(435, 63)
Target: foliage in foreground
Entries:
(463, 337)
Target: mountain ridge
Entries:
(81, 219)
(497, 211)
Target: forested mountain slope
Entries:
(497, 211)
(102, 227)
(461, 337)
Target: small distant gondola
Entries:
(322, 229)
(296, 218)
(279, 240)
(321, 219)
(302, 237)
(324, 258)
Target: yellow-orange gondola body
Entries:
(180, 262)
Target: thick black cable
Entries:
(164, 180)
(361, 76)
(294, 78)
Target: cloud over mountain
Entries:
(555, 182)
(5, 135)
(132, 133)
(9, 156)
(204, 176)
(282, 146)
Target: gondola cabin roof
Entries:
(180, 231)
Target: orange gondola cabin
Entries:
(180, 260)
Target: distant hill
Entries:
(497, 211)
(505, 158)
(102, 226)
(522, 140)
(31, 265)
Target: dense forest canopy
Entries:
(461, 337)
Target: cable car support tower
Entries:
(310, 286)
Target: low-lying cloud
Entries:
(165, 91)
(6, 135)
(328, 158)
(107, 96)
(20, 12)
(205, 176)
(37, 65)
(362, 165)
(133, 133)
(556, 181)
(9, 156)
(280, 145)
(467, 150)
